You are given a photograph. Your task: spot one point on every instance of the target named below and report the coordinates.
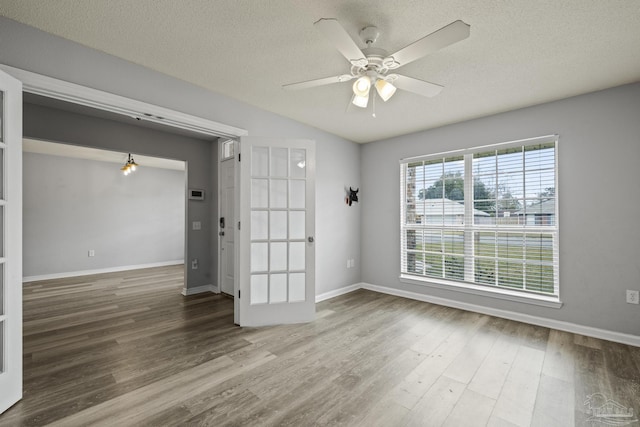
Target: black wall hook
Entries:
(352, 196)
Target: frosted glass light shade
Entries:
(360, 101)
(385, 89)
(361, 86)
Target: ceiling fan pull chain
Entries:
(374, 105)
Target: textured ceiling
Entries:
(520, 52)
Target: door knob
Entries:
(310, 239)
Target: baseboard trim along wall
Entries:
(200, 290)
(604, 334)
(338, 292)
(100, 271)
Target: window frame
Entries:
(468, 284)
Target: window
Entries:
(484, 218)
(227, 149)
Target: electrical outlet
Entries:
(348, 263)
(92, 252)
(194, 264)
(633, 297)
(196, 225)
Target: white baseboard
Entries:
(200, 290)
(99, 271)
(337, 292)
(511, 315)
(589, 331)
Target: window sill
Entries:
(468, 288)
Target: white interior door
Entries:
(226, 224)
(10, 241)
(276, 238)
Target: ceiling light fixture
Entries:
(385, 89)
(360, 101)
(361, 88)
(129, 166)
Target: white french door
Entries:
(10, 241)
(277, 225)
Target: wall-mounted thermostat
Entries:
(196, 194)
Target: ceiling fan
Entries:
(371, 65)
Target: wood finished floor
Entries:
(128, 349)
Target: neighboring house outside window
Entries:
(483, 218)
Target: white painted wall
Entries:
(71, 206)
(599, 202)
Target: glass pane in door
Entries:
(2, 173)
(1, 116)
(259, 288)
(278, 225)
(298, 163)
(1, 290)
(278, 288)
(1, 347)
(297, 287)
(2, 230)
(279, 162)
(278, 235)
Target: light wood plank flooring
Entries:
(128, 349)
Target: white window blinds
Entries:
(486, 216)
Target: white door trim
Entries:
(11, 263)
(59, 89)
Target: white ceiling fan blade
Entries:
(443, 37)
(318, 82)
(416, 86)
(337, 35)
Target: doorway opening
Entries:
(83, 216)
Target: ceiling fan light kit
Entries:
(369, 66)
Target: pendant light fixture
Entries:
(129, 166)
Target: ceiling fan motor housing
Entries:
(376, 63)
(369, 35)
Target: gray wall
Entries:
(72, 205)
(338, 160)
(55, 125)
(598, 151)
(598, 187)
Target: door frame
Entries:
(50, 87)
(54, 88)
